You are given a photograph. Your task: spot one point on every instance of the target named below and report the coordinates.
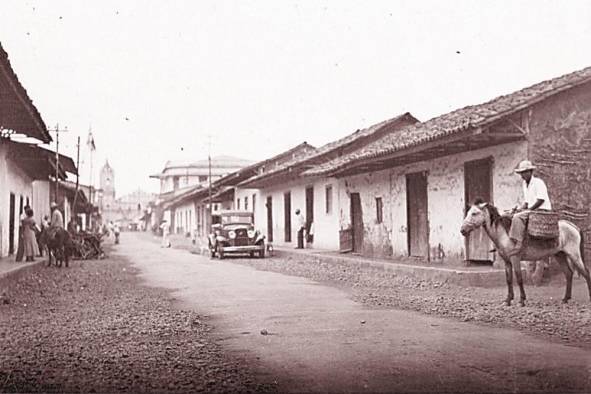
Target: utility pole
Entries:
(57, 158)
(77, 173)
(209, 168)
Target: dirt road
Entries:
(320, 340)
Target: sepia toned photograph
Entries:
(295, 196)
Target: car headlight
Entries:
(231, 234)
(251, 233)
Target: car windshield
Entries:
(230, 219)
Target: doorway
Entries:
(269, 219)
(478, 184)
(356, 222)
(309, 213)
(11, 218)
(287, 215)
(417, 215)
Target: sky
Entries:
(157, 80)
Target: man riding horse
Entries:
(58, 239)
(535, 196)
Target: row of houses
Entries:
(401, 188)
(29, 174)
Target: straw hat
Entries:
(524, 165)
(53, 205)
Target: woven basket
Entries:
(543, 224)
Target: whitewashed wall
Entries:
(12, 180)
(445, 188)
(326, 225)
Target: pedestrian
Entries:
(165, 227)
(42, 234)
(535, 197)
(301, 221)
(31, 249)
(20, 250)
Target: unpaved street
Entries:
(94, 328)
(320, 340)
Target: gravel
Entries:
(544, 314)
(94, 328)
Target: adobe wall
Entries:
(326, 225)
(445, 189)
(560, 146)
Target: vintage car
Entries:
(233, 232)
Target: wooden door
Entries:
(309, 210)
(11, 219)
(356, 222)
(417, 215)
(478, 184)
(269, 219)
(287, 216)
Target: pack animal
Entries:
(59, 246)
(567, 249)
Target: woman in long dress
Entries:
(29, 239)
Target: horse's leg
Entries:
(509, 276)
(578, 264)
(516, 262)
(562, 259)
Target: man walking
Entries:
(535, 196)
(301, 221)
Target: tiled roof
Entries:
(18, 113)
(470, 117)
(316, 156)
(245, 172)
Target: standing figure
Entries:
(116, 231)
(20, 247)
(165, 227)
(301, 221)
(31, 249)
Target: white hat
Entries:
(54, 205)
(525, 165)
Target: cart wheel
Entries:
(220, 252)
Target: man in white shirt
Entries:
(535, 195)
(57, 220)
(301, 228)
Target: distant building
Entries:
(127, 209)
(179, 175)
(179, 178)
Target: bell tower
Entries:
(108, 185)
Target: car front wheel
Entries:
(220, 252)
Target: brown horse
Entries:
(568, 250)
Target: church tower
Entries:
(107, 185)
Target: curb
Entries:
(467, 278)
(20, 269)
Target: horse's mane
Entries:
(495, 216)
